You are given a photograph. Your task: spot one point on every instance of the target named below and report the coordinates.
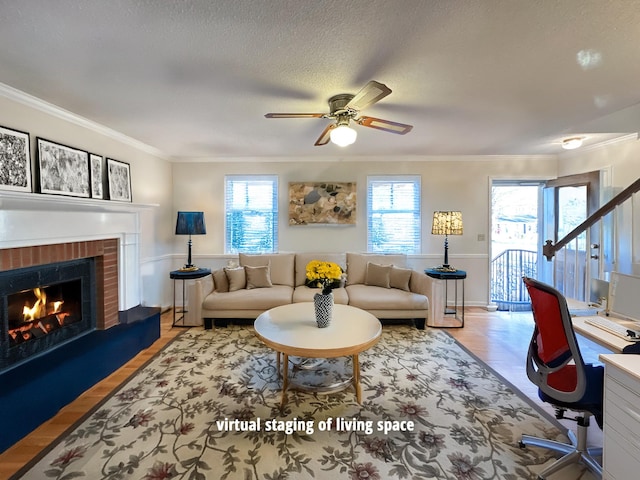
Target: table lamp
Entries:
(446, 223)
(190, 223)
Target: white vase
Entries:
(323, 305)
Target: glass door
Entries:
(574, 199)
(515, 242)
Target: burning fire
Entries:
(39, 309)
(40, 317)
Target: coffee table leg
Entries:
(285, 379)
(356, 378)
(278, 363)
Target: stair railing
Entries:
(572, 266)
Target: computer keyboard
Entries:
(614, 327)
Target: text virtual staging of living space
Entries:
(309, 427)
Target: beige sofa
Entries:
(379, 284)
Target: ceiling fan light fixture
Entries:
(572, 143)
(343, 135)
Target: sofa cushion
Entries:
(303, 293)
(357, 264)
(377, 275)
(254, 299)
(220, 281)
(379, 298)
(237, 278)
(399, 278)
(303, 259)
(281, 265)
(258, 277)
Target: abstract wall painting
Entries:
(63, 170)
(119, 179)
(15, 160)
(323, 203)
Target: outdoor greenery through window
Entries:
(393, 214)
(251, 213)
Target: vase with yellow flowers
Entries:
(327, 276)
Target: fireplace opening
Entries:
(43, 310)
(43, 306)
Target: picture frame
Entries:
(119, 180)
(322, 203)
(63, 170)
(15, 160)
(97, 182)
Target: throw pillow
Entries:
(399, 278)
(377, 275)
(258, 277)
(237, 278)
(220, 281)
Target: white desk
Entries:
(602, 337)
(621, 442)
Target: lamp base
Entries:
(189, 267)
(445, 267)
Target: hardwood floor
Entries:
(500, 339)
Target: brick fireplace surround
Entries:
(106, 263)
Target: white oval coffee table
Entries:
(292, 330)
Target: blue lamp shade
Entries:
(190, 223)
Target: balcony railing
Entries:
(507, 269)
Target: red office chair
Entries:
(556, 367)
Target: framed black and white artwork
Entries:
(15, 160)
(63, 170)
(119, 180)
(96, 176)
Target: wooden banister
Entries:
(549, 249)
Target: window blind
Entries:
(393, 214)
(251, 214)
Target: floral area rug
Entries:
(208, 407)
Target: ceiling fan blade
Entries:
(324, 138)
(371, 93)
(294, 115)
(386, 125)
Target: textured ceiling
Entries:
(195, 78)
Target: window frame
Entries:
(415, 211)
(229, 181)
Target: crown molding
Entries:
(58, 112)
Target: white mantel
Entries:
(28, 219)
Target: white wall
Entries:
(150, 176)
(447, 184)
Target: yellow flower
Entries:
(324, 273)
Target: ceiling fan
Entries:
(345, 107)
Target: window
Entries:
(251, 214)
(393, 214)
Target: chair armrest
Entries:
(419, 283)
